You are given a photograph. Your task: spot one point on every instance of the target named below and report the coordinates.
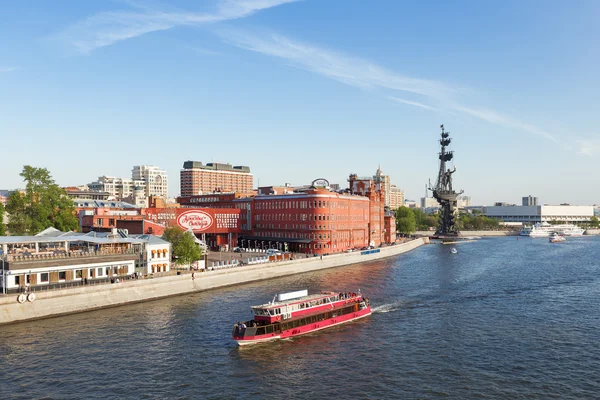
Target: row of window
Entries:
(306, 227)
(44, 277)
(285, 204)
(262, 330)
(310, 217)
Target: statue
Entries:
(443, 191)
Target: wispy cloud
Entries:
(367, 75)
(349, 70)
(588, 147)
(107, 28)
(506, 121)
(411, 103)
(8, 69)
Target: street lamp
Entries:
(3, 276)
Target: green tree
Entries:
(594, 222)
(405, 220)
(43, 205)
(2, 226)
(184, 249)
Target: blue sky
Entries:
(304, 89)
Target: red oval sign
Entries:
(196, 220)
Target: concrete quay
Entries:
(53, 303)
(474, 233)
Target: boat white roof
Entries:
(303, 299)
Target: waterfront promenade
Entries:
(84, 298)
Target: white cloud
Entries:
(367, 75)
(502, 120)
(588, 147)
(8, 69)
(349, 70)
(107, 28)
(412, 103)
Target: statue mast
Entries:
(443, 192)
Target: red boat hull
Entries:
(302, 329)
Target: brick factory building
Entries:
(197, 178)
(315, 220)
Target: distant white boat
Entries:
(453, 250)
(544, 229)
(556, 238)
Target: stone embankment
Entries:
(85, 298)
(474, 233)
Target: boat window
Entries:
(260, 330)
(269, 328)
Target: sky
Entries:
(306, 89)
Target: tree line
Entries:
(43, 204)
(409, 220)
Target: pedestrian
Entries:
(85, 281)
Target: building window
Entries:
(78, 273)
(99, 271)
(44, 277)
(62, 275)
(17, 280)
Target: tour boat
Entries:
(556, 237)
(544, 229)
(296, 313)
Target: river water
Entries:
(504, 318)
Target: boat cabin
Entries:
(287, 305)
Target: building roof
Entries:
(103, 203)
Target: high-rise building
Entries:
(396, 197)
(384, 185)
(197, 178)
(157, 183)
(530, 201)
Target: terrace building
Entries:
(54, 258)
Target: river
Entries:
(503, 318)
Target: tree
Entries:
(2, 226)
(405, 220)
(184, 249)
(43, 205)
(594, 222)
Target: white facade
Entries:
(42, 275)
(155, 178)
(533, 214)
(120, 188)
(158, 256)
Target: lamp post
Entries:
(3, 275)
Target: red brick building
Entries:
(312, 221)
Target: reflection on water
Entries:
(502, 318)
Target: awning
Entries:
(153, 251)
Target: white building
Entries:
(120, 188)
(533, 214)
(62, 259)
(156, 180)
(145, 181)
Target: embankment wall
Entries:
(85, 298)
(474, 233)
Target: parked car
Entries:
(237, 249)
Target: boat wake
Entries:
(386, 308)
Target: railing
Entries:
(71, 284)
(70, 254)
